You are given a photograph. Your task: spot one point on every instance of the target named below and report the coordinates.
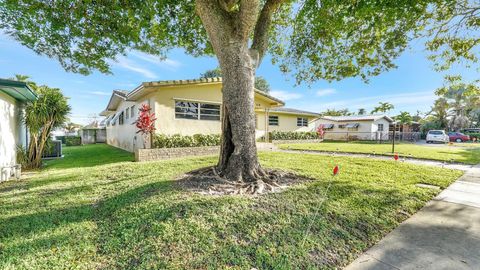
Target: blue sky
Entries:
(410, 87)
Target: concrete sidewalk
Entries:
(445, 234)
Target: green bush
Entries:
(293, 135)
(473, 135)
(174, 141)
(73, 140)
(61, 138)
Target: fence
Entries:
(371, 136)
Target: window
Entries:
(197, 110)
(352, 125)
(121, 119)
(380, 127)
(209, 112)
(127, 113)
(302, 122)
(273, 120)
(132, 111)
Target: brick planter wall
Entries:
(296, 141)
(168, 153)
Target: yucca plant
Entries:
(41, 116)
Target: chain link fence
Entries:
(371, 136)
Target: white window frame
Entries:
(132, 111)
(302, 122)
(270, 120)
(127, 113)
(199, 113)
(380, 129)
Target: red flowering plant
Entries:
(320, 131)
(145, 122)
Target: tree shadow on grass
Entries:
(159, 225)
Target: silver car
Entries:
(437, 136)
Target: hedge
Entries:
(473, 135)
(73, 140)
(293, 135)
(61, 138)
(177, 140)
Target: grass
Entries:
(462, 154)
(89, 155)
(128, 215)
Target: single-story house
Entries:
(13, 133)
(188, 107)
(355, 127)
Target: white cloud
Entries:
(125, 63)
(100, 93)
(164, 63)
(284, 95)
(325, 92)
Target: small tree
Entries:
(41, 116)
(145, 123)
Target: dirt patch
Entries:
(206, 181)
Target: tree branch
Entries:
(262, 28)
(247, 16)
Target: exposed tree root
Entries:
(207, 181)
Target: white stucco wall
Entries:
(12, 132)
(125, 136)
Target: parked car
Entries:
(437, 136)
(458, 137)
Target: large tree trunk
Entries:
(238, 154)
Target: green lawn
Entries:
(463, 154)
(89, 155)
(129, 215)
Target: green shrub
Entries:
(73, 140)
(473, 135)
(293, 135)
(174, 141)
(61, 138)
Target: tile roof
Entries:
(293, 111)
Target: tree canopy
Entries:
(260, 82)
(312, 39)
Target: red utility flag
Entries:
(395, 156)
(335, 170)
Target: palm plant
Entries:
(383, 107)
(41, 116)
(404, 118)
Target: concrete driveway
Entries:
(445, 234)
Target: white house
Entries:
(355, 127)
(13, 96)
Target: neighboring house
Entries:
(188, 107)
(356, 127)
(93, 133)
(13, 133)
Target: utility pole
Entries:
(393, 139)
